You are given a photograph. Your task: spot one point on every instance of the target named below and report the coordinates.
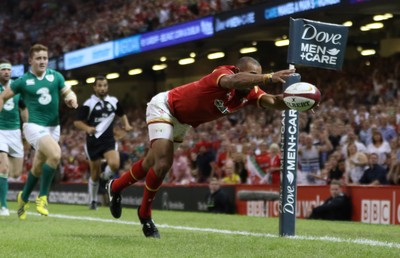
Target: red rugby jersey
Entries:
(204, 100)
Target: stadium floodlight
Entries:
(71, 82)
(368, 52)
(159, 67)
(90, 80)
(364, 28)
(282, 42)
(374, 25)
(163, 59)
(135, 71)
(247, 50)
(382, 17)
(348, 23)
(111, 76)
(192, 54)
(185, 61)
(216, 55)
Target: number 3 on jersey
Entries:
(9, 105)
(45, 97)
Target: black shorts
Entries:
(95, 149)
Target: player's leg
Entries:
(113, 163)
(93, 184)
(4, 168)
(31, 181)
(136, 173)
(49, 155)
(115, 186)
(16, 165)
(14, 170)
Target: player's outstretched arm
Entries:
(280, 76)
(4, 96)
(244, 80)
(273, 101)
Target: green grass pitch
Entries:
(76, 231)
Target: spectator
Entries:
(309, 158)
(205, 162)
(393, 176)
(380, 147)
(337, 172)
(387, 130)
(275, 169)
(180, 171)
(231, 176)
(351, 137)
(336, 207)
(263, 165)
(355, 164)
(375, 174)
(217, 200)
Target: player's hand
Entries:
(91, 130)
(279, 76)
(128, 128)
(71, 103)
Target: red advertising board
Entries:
(371, 204)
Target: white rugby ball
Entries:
(301, 96)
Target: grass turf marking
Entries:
(359, 241)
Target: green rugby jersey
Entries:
(41, 96)
(9, 116)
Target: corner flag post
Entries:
(289, 141)
(317, 44)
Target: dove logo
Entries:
(288, 207)
(311, 33)
(290, 177)
(333, 51)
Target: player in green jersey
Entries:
(11, 147)
(40, 89)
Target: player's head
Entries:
(5, 71)
(248, 65)
(214, 185)
(100, 86)
(38, 59)
(336, 188)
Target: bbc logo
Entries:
(375, 211)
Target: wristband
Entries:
(268, 78)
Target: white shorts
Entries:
(34, 132)
(11, 143)
(161, 123)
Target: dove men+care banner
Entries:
(288, 183)
(317, 44)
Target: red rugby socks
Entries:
(153, 183)
(130, 177)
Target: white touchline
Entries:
(360, 241)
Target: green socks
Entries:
(3, 192)
(45, 182)
(31, 182)
(47, 177)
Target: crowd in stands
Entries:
(64, 26)
(348, 138)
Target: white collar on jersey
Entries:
(39, 78)
(97, 99)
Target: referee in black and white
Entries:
(96, 118)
